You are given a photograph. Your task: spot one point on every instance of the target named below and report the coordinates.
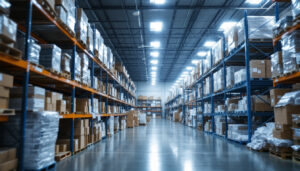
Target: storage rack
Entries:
(241, 55)
(145, 106)
(171, 106)
(26, 73)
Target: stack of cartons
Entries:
(276, 94)
(96, 136)
(65, 142)
(90, 37)
(177, 116)
(82, 105)
(296, 128)
(85, 71)
(54, 102)
(8, 159)
(261, 103)
(50, 57)
(81, 132)
(81, 26)
(68, 104)
(131, 121)
(260, 69)
(35, 100)
(6, 82)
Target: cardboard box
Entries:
(9, 165)
(283, 134)
(257, 69)
(4, 103)
(86, 123)
(283, 115)
(82, 105)
(81, 141)
(268, 68)
(79, 131)
(63, 148)
(7, 154)
(6, 80)
(4, 92)
(276, 94)
(79, 123)
(259, 103)
(56, 148)
(61, 106)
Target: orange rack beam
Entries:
(290, 30)
(77, 116)
(3, 118)
(287, 79)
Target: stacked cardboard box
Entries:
(54, 102)
(6, 82)
(218, 52)
(96, 136)
(82, 105)
(81, 25)
(207, 126)
(132, 119)
(276, 94)
(50, 57)
(261, 103)
(66, 63)
(283, 111)
(220, 125)
(296, 128)
(35, 100)
(82, 132)
(85, 71)
(260, 69)
(8, 159)
(65, 142)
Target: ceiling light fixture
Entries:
(155, 44)
(154, 54)
(201, 53)
(254, 2)
(195, 61)
(156, 26)
(157, 1)
(225, 26)
(189, 68)
(154, 68)
(209, 43)
(154, 62)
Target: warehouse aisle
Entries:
(164, 145)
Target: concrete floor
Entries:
(164, 145)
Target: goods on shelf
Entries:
(41, 134)
(81, 25)
(219, 108)
(110, 130)
(282, 24)
(8, 158)
(240, 76)
(6, 83)
(208, 126)
(207, 88)
(34, 49)
(290, 52)
(261, 103)
(50, 57)
(238, 132)
(295, 8)
(230, 75)
(132, 119)
(142, 119)
(66, 63)
(287, 106)
(8, 29)
(116, 124)
(61, 13)
(177, 116)
(232, 104)
(218, 78)
(90, 37)
(207, 62)
(277, 65)
(35, 100)
(4, 7)
(231, 36)
(220, 125)
(207, 108)
(83, 105)
(276, 94)
(260, 69)
(218, 52)
(296, 128)
(54, 102)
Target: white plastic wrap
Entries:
(280, 142)
(207, 108)
(230, 75)
(296, 147)
(277, 67)
(240, 76)
(142, 118)
(218, 52)
(260, 137)
(207, 89)
(238, 132)
(4, 6)
(291, 98)
(218, 80)
(50, 56)
(81, 25)
(8, 28)
(295, 8)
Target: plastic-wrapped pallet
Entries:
(277, 66)
(230, 75)
(4, 6)
(238, 132)
(81, 25)
(240, 76)
(66, 63)
(218, 52)
(111, 125)
(103, 130)
(207, 108)
(34, 49)
(218, 80)
(242, 104)
(50, 56)
(231, 35)
(207, 86)
(207, 62)
(8, 29)
(291, 52)
(259, 27)
(295, 8)
(142, 118)
(260, 137)
(220, 125)
(116, 123)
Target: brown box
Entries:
(283, 115)
(130, 123)
(56, 148)
(61, 106)
(79, 131)
(81, 141)
(276, 94)
(148, 118)
(257, 69)
(6, 80)
(268, 68)
(86, 131)
(296, 86)
(9, 165)
(86, 123)
(79, 123)
(4, 92)
(281, 134)
(4, 103)
(260, 105)
(7, 154)
(82, 105)
(63, 148)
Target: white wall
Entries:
(159, 90)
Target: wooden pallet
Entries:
(66, 75)
(47, 7)
(62, 155)
(283, 153)
(7, 112)
(260, 150)
(82, 43)
(7, 50)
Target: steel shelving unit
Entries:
(241, 55)
(26, 73)
(145, 106)
(170, 105)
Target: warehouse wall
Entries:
(159, 90)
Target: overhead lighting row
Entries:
(155, 26)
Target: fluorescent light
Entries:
(154, 61)
(195, 61)
(157, 1)
(154, 68)
(189, 68)
(209, 43)
(155, 44)
(202, 53)
(254, 2)
(227, 25)
(154, 54)
(156, 26)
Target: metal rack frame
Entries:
(28, 69)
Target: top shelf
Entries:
(288, 31)
(48, 25)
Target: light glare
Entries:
(154, 54)
(157, 2)
(155, 44)
(156, 26)
(209, 43)
(254, 2)
(201, 53)
(154, 62)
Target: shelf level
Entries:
(289, 79)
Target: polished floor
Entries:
(163, 145)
